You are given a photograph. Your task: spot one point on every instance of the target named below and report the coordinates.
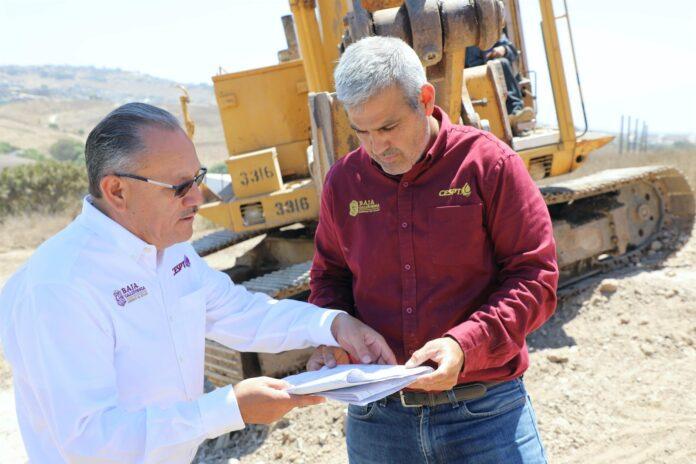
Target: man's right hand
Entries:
(262, 400)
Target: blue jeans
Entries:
(498, 428)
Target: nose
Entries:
(194, 197)
(379, 143)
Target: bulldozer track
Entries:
(283, 283)
(678, 201)
(219, 240)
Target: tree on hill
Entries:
(67, 150)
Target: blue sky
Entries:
(635, 56)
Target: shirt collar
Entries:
(438, 147)
(113, 232)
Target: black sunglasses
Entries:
(179, 189)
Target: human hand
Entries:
(263, 400)
(329, 356)
(496, 52)
(449, 357)
(361, 342)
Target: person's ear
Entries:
(114, 191)
(427, 98)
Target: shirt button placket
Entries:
(408, 278)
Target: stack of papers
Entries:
(357, 384)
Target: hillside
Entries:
(42, 104)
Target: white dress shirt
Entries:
(106, 341)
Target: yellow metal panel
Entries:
(587, 144)
(557, 74)
(293, 158)
(311, 48)
(482, 89)
(263, 107)
(217, 212)
(296, 202)
(255, 173)
(331, 13)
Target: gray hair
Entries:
(375, 63)
(113, 144)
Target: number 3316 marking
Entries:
(292, 206)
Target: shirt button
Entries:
(181, 359)
(404, 225)
(404, 184)
(407, 267)
(409, 310)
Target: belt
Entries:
(464, 392)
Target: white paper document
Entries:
(355, 383)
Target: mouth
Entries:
(188, 217)
(387, 157)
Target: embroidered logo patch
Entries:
(356, 207)
(464, 191)
(129, 294)
(185, 263)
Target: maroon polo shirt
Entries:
(461, 246)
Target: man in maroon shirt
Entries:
(435, 235)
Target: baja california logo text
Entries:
(185, 263)
(129, 294)
(356, 207)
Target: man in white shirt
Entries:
(104, 326)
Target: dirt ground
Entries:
(611, 373)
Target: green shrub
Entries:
(67, 150)
(6, 148)
(46, 187)
(32, 153)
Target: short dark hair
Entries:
(113, 144)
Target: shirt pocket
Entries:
(456, 234)
(189, 317)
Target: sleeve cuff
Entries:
(472, 340)
(219, 412)
(320, 327)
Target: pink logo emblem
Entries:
(185, 263)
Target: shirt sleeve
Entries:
(331, 281)
(67, 351)
(248, 321)
(519, 225)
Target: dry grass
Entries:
(609, 158)
(26, 232)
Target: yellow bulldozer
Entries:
(284, 129)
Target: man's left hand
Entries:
(449, 357)
(362, 342)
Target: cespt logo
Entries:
(185, 263)
(464, 190)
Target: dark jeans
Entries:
(514, 101)
(498, 428)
